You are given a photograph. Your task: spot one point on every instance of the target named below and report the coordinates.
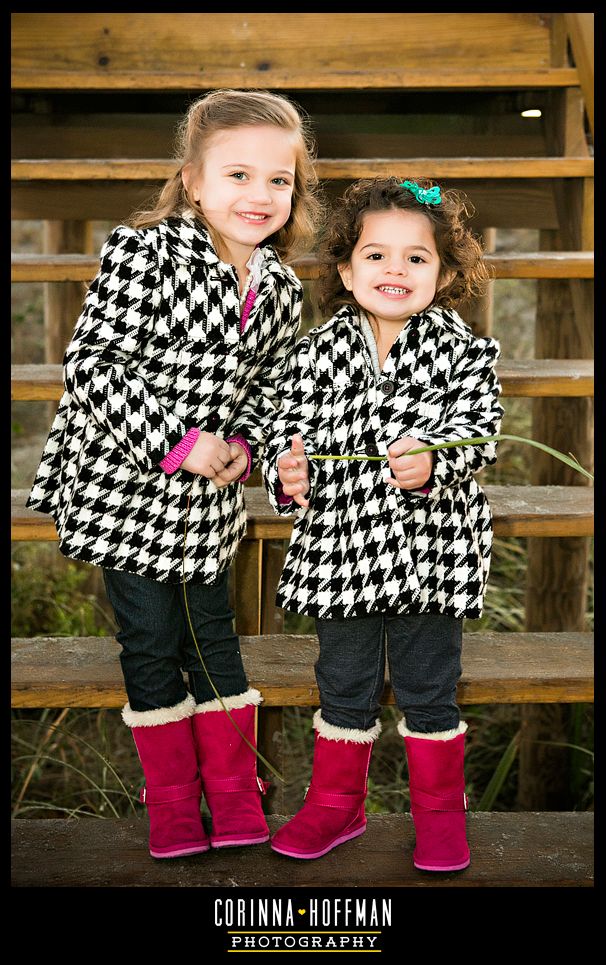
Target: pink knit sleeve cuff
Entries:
(242, 442)
(173, 460)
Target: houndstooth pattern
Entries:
(362, 546)
(157, 350)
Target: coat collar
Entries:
(446, 318)
(188, 242)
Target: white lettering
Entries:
(386, 911)
(373, 914)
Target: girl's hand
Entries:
(409, 472)
(234, 468)
(208, 456)
(293, 471)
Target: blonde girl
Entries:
(170, 387)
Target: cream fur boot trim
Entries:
(333, 733)
(235, 702)
(441, 735)
(163, 715)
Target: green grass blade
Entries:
(87, 777)
(497, 780)
(255, 751)
(63, 730)
(569, 460)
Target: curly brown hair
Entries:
(459, 251)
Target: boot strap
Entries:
(347, 802)
(172, 792)
(239, 782)
(431, 802)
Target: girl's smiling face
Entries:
(244, 186)
(394, 268)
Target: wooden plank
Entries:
(63, 303)
(521, 850)
(235, 48)
(293, 79)
(503, 203)
(357, 130)
(158, 169)
(535, 264)
(498, 668)
(581, 32)
(542, 264)
(248, 584)
(527, 378)
(516, 510)
(533, 378)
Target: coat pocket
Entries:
(413, 405)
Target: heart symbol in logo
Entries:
(301, 911)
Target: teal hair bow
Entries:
(423, 195)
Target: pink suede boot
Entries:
(333, 811)
(437, 798)
(229, 770)
(172, 791)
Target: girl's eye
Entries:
(375, 256)
(280, 181)
(238, 175)
(417, 260)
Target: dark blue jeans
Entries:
(157, 644)
(424, 657)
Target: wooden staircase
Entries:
(411, 94)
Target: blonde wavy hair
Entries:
(221, 110)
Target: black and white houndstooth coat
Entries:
(362, 546)
(157, 350)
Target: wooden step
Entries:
(157, 169)
(295, 79)
(195, 52)
(516, 511)
(535, 264)
(520, 850)
(528, 378)
(498, 668)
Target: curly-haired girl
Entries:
(388, 553)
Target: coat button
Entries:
(372, 451)
(212, 422)
(386, 387)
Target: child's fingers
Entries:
(296, 444)
(413, 483)
(293, 488)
